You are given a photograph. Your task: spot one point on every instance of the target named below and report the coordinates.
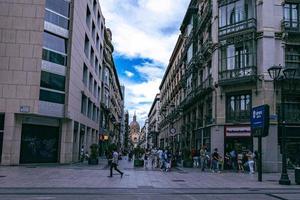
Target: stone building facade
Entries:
(153, 122)
(224, 52)
(50, 79)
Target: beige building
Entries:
(153, 122)
(134, 131)
(225, 50)
(51, 66)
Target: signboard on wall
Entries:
(237, 131)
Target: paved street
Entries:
(81, 181)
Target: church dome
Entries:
(134, 125)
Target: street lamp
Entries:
(289, 75)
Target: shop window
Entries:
(238, 108)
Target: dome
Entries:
(134, 125)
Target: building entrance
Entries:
(39, 144)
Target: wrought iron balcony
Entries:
(232, 76)
(238, 27)
(205, 15)
(204, 87)
(291, 27)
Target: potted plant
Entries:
(187, 158)
(138, 153)
(93, 159)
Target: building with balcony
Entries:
(112, 102)
(50, 80)
(224, 52)
(153, 122)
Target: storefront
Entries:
(238, 138)
(39, 144)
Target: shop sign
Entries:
(260, 118)
(241, 131)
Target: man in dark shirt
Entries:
(215, 160)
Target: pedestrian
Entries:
(233, 157)
(82, 153)
(114, 163)
(250, 156)
(146, 157)
(202, 158)
(240, 162)
(215, 160)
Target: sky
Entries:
(144, 34)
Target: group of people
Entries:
(158, 158)
(240, 162)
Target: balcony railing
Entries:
(290, 26)
(206, 12)
(237, 74)
(240, 26)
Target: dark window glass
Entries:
(238, 108)
(1, 122)
(52, 81)
(54, 57)
(53, 97)
(83, 104)
(85, 75)
(55, 43)
(291, 15)
(56, 19)
(59, 6)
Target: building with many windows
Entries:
(50, 79)
(153, 122)
(222, 59)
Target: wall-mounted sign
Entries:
(260, 118)
(238, 131)
(24, 109)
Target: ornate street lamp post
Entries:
(289, 75)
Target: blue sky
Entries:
(144, 33)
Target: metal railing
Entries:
(237, 73)
(239, 26)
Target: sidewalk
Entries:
(82, 175)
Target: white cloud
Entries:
(129, 74)
(144, 29)
(137, 26)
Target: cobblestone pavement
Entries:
(85, 176)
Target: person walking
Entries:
(114, 163)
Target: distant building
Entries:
(134, 133)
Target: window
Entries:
(190, 53)
(98, 96)
(85, 75)
(54, 57)
(96, 64)
(1, 122)
(238, 107)
(90, 109)
(95, 6)
(97, 42)
(86, 46)
(189, 84)
(56, 19)
(292, 58)
(106, 96)
(95, 89)
(190, 27)
(51, 96)
(88, 17)
(106, 76)
(92, 56)
(99, 19)
(61, 7)
(93, 31)
(52, 81)
(94, 113)
(91, 82)
(83, 104)
(291, 15)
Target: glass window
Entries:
(238, 107)
(52, 81)
(106, 76)
(85, 75)
(95, 88)
(93, 30)
(83, 104)
(291, 18)
(54, 57)
(58, 20)
(190, 53)
(88, 17)
(1, 122)
(60, 6)
(91, 82)
(86, 46)
(53, 97)
(55, 43)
